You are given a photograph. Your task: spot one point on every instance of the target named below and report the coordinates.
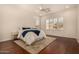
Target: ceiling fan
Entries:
(44, 9)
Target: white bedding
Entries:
(31, 37)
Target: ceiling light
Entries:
(40, 8)
(66, 6)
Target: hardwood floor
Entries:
(61, 45)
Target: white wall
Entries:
(0, 24)
(78, 23)
(70, 28)
(12, 17)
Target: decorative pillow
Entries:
(29, 38)
(23, 28)
(42, 35)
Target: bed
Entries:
(30, 35)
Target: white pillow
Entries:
(20, 34)
(29, 38)
(41, 35)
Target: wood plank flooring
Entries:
(61, 45)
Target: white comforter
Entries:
(31, 37)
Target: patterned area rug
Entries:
(37, 46)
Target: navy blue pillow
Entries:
(23, 28)
(35, 31)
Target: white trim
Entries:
(6, 39)
(77, 40)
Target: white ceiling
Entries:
(53, 7)
(34, 8)
(56, 7)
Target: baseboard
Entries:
(60, 36)
(5, 40)
(77, 40)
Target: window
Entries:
(60, 23)
(47, 24)
(54, 23)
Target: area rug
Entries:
(37, 46)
